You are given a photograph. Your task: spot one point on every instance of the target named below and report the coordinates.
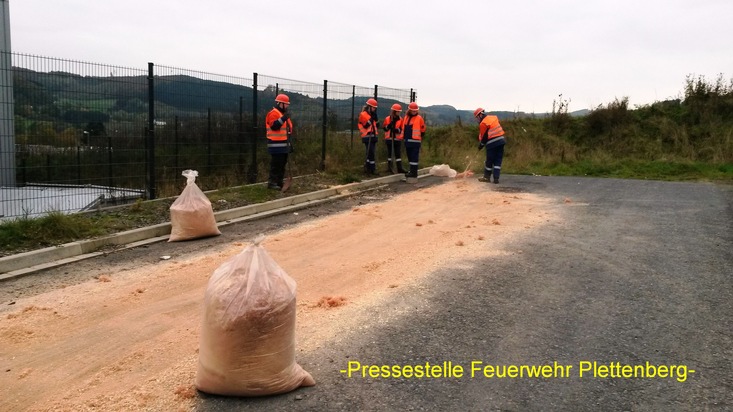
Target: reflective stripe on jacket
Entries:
(277, 140)
(389, 132)
(412, 128)
(490, 128)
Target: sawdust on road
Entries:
(128, 339)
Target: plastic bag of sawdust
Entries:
(191, 214)
(247, 343)
(443, 171)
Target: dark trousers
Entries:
(494, 156)
(277, 168)
(370, 143)
(397, 144)
(413, 156)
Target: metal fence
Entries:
(79, 135)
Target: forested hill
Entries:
(445, 114)
(57, 95)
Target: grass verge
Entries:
(56, 228)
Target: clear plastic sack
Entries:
(442, 170)
(191, 214)
(247, 343)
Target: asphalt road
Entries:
(636, 277)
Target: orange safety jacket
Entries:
(413, 128)
(491, 129)
(389, 132)
(364, 119)
(277, 139)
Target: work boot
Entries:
(412, 173)
(413, 170)
(486, 179)
(399, 167)
(274, 186)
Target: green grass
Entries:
(45, 231)
(348, 176)
(632, 169)
(57, 228)
(251, 194)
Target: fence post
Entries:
(208, 141)
(325, 125)
(151, 132)
(110, 181)
(240, 137)
(255, 130)
(7, 105)
(376, 151)
(175, 142)
(353, 113)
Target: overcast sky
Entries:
(509, 55)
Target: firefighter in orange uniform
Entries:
(413, 131)
(392, 126)
(279, 129)
(491, 136)
(368, 126)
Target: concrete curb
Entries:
(33, 261)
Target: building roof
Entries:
(37, 200)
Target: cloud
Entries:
(469, 53)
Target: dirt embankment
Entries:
(128, 340)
